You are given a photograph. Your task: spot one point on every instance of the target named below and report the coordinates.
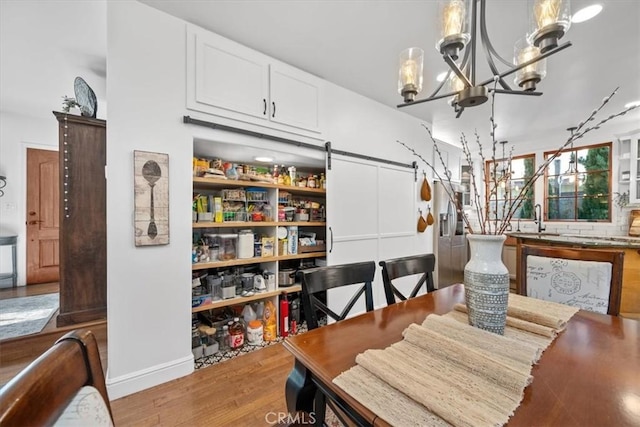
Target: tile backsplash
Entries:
(618, 227)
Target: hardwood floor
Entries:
(245, 391)
(238, 392)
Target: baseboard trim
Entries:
(146, 378)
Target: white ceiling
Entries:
(355, 44)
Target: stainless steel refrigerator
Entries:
(450, 245)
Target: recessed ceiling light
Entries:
(442, 76)
(263, 159)
(586, 13)
(632, 104)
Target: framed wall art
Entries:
(151, 198)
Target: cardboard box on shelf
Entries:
(217, 209)
(268, 244)
(292, 239)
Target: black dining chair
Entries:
(407, 266)
(315, 283)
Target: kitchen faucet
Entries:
(538, 218)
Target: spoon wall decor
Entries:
(151, 172)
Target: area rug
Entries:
(26, 315)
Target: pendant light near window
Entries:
(572, 163)
(505, 172)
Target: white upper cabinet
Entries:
(227, 79)
(629, 167)
(294, 98)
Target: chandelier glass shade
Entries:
(548, 22)
(529, 76)
(410, 73)
(463, 27)
(455, 16)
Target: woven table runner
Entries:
(446, 372)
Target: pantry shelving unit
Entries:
(243, 300)
(269, 228)
(254, 260)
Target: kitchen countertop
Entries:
(581, 240)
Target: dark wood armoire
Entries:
(83, 219)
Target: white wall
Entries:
(149, 314)
(148, 295)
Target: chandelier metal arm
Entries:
(485, 38)
(515, 92)
(435, 92)
(472, 67)
(488, 48)
(458, 71)
(527, 63)
(431, 98)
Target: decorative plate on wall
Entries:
(85, 97)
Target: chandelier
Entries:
(549, 21)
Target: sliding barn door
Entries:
(370, 216)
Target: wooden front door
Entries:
(43, 216)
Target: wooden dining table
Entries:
(588, 376)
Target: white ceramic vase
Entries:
(486, 283)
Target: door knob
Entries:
(32, 213)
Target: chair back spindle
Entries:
(318, 280)
(407, 266)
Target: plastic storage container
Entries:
(211, 345)
(215, 287)
(228, 286)
(245, 244)
(254, 332)
(227, 246)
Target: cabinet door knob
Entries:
(273, 113)
(264, 102)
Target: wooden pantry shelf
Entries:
(222, 183)
(245, 224)
(254, 260)
(244, 300)
(234, 224)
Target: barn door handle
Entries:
(331, 247)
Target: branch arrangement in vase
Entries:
(497, 225)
